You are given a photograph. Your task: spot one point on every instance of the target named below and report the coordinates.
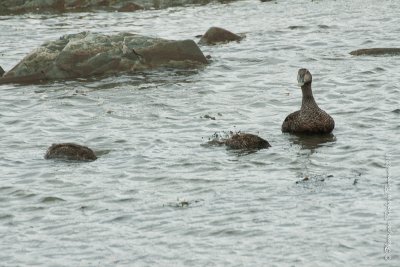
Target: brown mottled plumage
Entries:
(310, 119)
(246, 141)
(70, 151)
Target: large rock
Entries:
(88, 54)
(215, 35)
(38, 6)
(376, 51)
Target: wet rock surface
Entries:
(89, 54)
(215, 35)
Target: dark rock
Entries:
(130, 7)
(376, 52)
(70, 151)
(172, 52)
(25, 79)
(88, 54)
(216, 35)
(40, 6)
(1, 71)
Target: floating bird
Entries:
(310, 119)
(242, 141)
(70, 151)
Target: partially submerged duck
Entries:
(246, 141)
(243, 141)
(310, 119)
(70, 151)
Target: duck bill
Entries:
(300, 80)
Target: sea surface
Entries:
(158, 195)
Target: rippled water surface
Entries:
(128, 208)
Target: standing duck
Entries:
(310, 119)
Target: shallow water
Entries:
(128, 208)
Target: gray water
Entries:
(128, 207)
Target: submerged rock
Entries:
(70, 151)
(40, 6)
(376, 52)
(89, 54)
(215, 35)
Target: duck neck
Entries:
(308, 98)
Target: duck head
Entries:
(304, 76)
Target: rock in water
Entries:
(70, 151)
(1, 71)
(216, 35)
(40, 6)
(130, 7)
(376, 52)
(89, 54)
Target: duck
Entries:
(310, 119)
(246, 141)
(70, 151)
(241, 141)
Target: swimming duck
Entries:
(243, 141)
(70, 151)
(310, 119)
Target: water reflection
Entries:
(312, 142)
